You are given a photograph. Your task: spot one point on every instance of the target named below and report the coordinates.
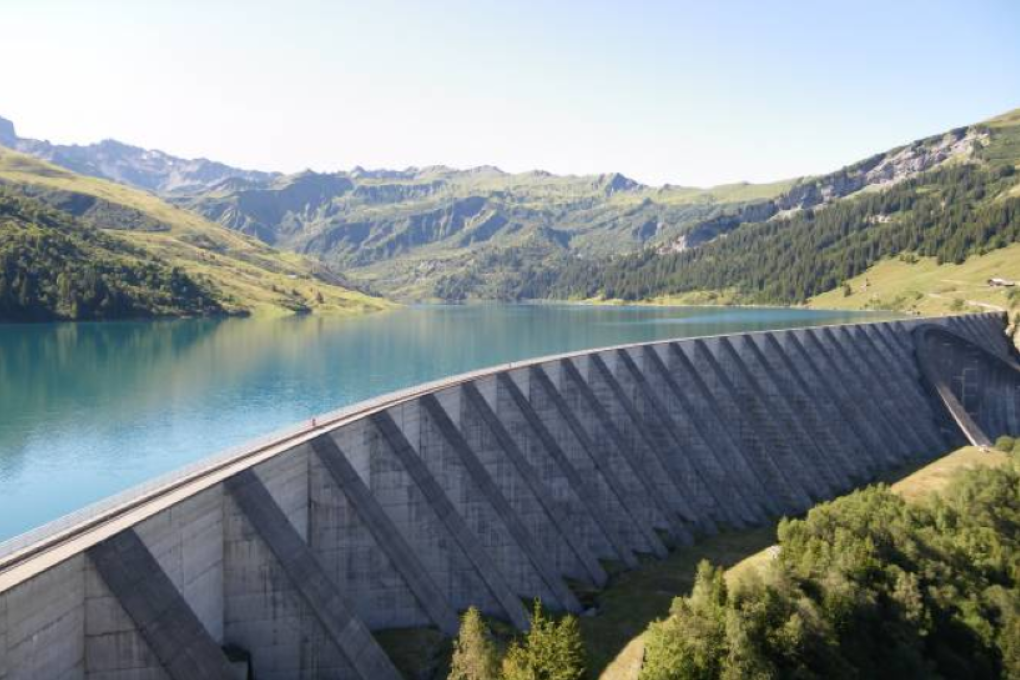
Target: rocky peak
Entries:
(879, 171)
(615, 182)
(7, 134)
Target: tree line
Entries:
(949, 214)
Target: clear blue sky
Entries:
(692, 93)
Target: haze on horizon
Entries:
(663, 92)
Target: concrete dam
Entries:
(283, 559)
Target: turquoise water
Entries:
(88, 409)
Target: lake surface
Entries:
(89, 409)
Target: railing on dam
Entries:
(480, 489)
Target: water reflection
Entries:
(88, 409)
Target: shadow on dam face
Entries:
(547, 479)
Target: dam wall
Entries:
(486, 489)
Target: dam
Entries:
(285, 558)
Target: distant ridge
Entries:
(77, 247)
(442, 233)
(143, 168)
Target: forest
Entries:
(53, 267)
(948, 214)
(866, 586)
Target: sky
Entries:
(689, 93)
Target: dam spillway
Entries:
(486, 489)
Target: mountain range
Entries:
(74, 246)
(481, 233)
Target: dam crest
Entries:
(284, 558)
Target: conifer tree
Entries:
(552, 650)
(474, 653)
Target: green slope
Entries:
(241, 274)
(965, 205)
(54, 267)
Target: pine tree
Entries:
(474, 654)
(551, 650)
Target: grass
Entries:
(418, 653)
(248, 275)
(927, 288)
(632, 600)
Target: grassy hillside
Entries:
(244, 275)
(53, 267)
(923, 286)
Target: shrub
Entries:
(474, 653)
(551, 650)
(1005, 443)
(867, 586)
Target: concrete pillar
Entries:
(589, 461)
(186, 540)
(599, 431)
(834, 430)
(881, 452)
(665, 438)
(524, 488)
(693, 414)
(408, 508)
(881, 385)
(792, 455)
(281, 605)
(854, 370)
(777, 391)
(760, 447)
(371, 562)
(902, 387)
(579, 498)
(167, 637)
(629, 435)
(516, 550)
(480, 558)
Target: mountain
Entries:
(407, 232)
(143, 168)
(411, 231)
(482, 233)
(220, 271)
(937, 202)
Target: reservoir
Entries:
(90, 409)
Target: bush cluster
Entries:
(867, 586)
(551, 650)
(1008, 444)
